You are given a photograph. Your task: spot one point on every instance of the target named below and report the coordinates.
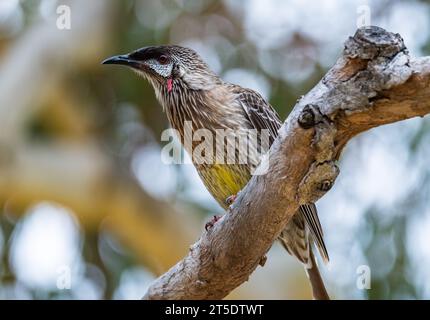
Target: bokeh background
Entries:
(88, 210)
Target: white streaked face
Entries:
(162, 65)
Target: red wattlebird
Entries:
(189, 91)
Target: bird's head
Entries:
(169, 68)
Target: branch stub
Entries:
(307, 117)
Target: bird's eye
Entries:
(163, 59)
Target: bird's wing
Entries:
(259, 113)
(262, 116)
(310, 213)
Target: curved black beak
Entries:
(123, 60)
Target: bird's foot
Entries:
(212, 222)
(229, 200)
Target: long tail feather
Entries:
(319, 291)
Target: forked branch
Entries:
(374, 82)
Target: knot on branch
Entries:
(307, 117)
(371, 42)
(319, 179)
(326, 185)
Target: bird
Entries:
(189, 91)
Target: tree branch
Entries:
(373, 83)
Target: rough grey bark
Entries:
(374, 82)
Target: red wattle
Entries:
(169, 85)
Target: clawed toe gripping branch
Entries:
(374, 82)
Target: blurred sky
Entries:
(377, 169)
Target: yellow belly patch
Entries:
(223, 180)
